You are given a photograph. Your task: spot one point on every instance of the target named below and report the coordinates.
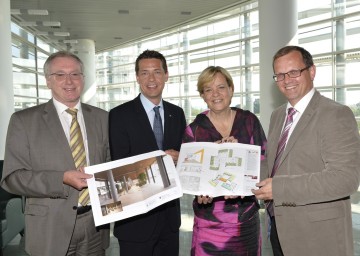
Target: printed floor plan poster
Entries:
(131, 186)
(212, 169)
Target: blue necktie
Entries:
(157, 128)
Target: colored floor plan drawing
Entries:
(196, 157)
(225, 180)
(223, 159)
(207, 168)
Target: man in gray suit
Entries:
(39, 164)
(309, 185)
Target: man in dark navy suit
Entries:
(131, 133)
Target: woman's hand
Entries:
(204, 199)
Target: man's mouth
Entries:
(289, 87)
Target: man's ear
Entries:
(48, 83)
(312, 71)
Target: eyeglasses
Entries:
(292, 74)
(62, 76)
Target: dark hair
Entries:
(59, 55)
(149, 54)
(208, 75)
(307, 58)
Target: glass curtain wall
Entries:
(228, 39)
(28, 57)
(329, 29)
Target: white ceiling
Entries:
(101, 21)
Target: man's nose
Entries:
(151, 76)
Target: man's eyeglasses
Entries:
(62, 76)
(292, 74)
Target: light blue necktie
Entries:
(157, 128)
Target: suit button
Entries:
(75, 207)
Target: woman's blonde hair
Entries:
(208, 75)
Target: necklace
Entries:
(222, 126)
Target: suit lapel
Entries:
(171, 123)
(143, 121)
(141, 115)
(168, 117)
(302, 123)
(52, 120)
(90, 126)
(279, 119)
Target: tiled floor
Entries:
(15, 247)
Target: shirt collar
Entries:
(60, 107)
(303, 103)
(148, 105)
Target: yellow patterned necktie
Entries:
(78, 151)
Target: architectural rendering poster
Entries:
(131, 186)
(212, 169)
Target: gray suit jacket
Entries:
(36, 155)
(320, 168)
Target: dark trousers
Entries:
(274, 239)
(163, 242)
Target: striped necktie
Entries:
(157, 128)
(283, 139)
(281, 147)
(78, 151)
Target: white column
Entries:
(277, 28)
(85, 50)
(112, 186)
(6, 75)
